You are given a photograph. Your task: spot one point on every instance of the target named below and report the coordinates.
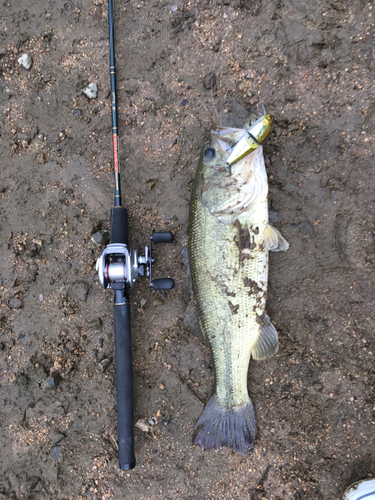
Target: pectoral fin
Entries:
(267, 344)
(273, 240)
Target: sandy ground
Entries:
(311, 64)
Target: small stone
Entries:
(151, 184)
(56, 437)
(91, 91)
(101, 238)
(77, 113)
(52, 382)
(104, 364)
(55, 452)
(150, 421)
(209, 81)
(95, 324)
(184, 103)
(81, 290)
(25, 61)
(143, 302)
(157, 302)
(16, 303)
(161, 386)
(141, 424)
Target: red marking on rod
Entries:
(115, 153)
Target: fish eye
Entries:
(210, 153)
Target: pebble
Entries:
(16, 303)
(141, 424)
(143, 302)
(55, 452)
(41, 297)
(81, 290)
(91, 91)
(25, 61)
(77, 113)
(104, 364)
(161, 386)
(95, 324)
(101, 238)
(51, 382)
(209, 81)
(150, 421)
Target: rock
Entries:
(56, 437)
(141, 424)
(77, 113)
(101, 238)
(55, 452)
(95, 324)
(161, 386)
(16, 303)
(104, 364)
(91, 91)
(143, 302)
(81, 290)
(25, 61)
(52, 382)
(209, 81)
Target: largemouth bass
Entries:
(229, 240)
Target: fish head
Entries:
(226, 189)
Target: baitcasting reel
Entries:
(118, 264)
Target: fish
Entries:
(229, 238)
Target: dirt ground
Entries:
(311, 63)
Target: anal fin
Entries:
(274, 240)
(267, 344)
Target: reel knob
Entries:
(162, 284)
(166, 237)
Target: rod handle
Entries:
(166, 237)
(124, 386)
(119, 225)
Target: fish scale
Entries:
(228, 256)
(218, 277)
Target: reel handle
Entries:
(162, 284)
(166, 237)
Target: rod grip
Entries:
(119, 225)
(124, 386)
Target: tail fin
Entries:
(219, 426)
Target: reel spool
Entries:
(119, 265)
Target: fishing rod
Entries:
(118, 268)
